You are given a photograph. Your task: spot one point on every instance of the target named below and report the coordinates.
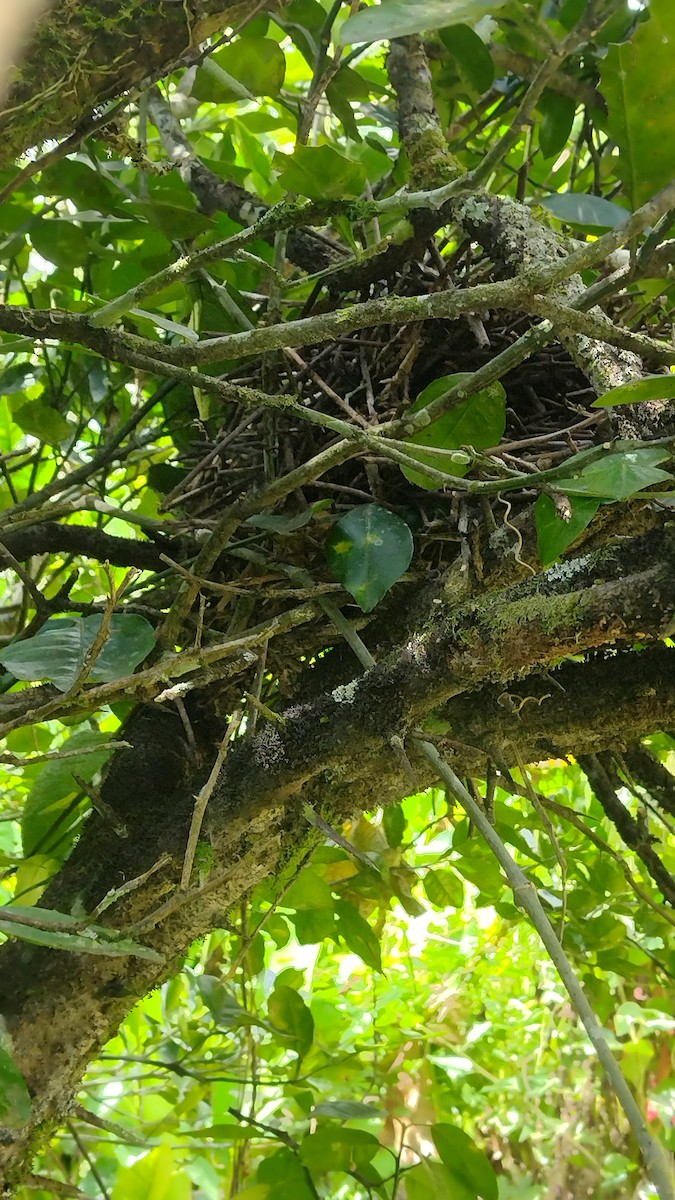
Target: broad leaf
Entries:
(156, 1176)
(309, 890)
(444, 889)
(479, 421)
(60, 648)
(467, 1164)
(320, 173)
(557, 116)
(398, 18)
(346, 1110)
(368, 550)
(225, 1010)
(471, 55)
(248, 67)
(638, 83)
(576, 208)
(652, 387)
(619, 476)
(43, 422)
(393, 823)
(554, 533)
(15, 1105)
(334, 1149)
(358, 935)
(289, 1014)
(48, 821)
(95, 939)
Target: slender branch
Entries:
(526, 897)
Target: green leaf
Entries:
(153, 1177)
(19, 376)
(479, 421)
(652, 387)
(43, 422)
(335, 1149)
(431, 1181)
(554, 533)
(444, 889)
(466, 1164)
(638, 83)
(58, 650)
(309, 890)
(225, 1010)
(398, 18)
(393, 823)
(471, 55)
(174, 221)
(358, 935)
(248, 67)
(60, 241)
(51, 796)
(15, 1105)
(96, 939)
(557, 117)
(576, 208)
(313, 925)
(320, 173)
(347, 1110)
(79, 183)
(619, 476)
(289, 1014)
(368, 550)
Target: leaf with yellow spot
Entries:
(368, 550)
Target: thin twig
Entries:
(203, 798)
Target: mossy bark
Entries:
(84, 53)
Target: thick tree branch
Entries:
(84, 53)
(303, 247)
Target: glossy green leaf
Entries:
(309, 890)
(398, 18)
(430, 1180)
(320, 172)
(619, 476)
(554, 533)
(173, 220)
(334, 1149)
(43, 422)
(156, 1176)
(557, 116)
(312, 925)
(393, 823)
(651, 387)
(225, 1010)
(59, 649)
(248, 67)
(95, 939)
(575, 208)
(81, 184)
(289, 1014)
(60, 241)
(444, 889)
(19, 376)
(358, 935)
(478, 421)
(471, 55)
(49, 822)
(347, 1110)
(466, 1164)
(367, 551)
(638, 83)
(15, 1105)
